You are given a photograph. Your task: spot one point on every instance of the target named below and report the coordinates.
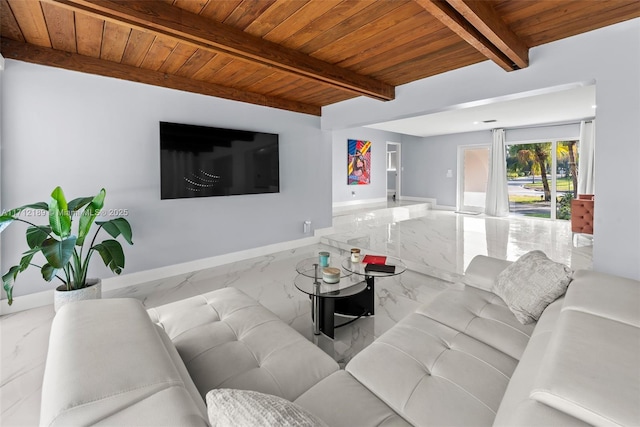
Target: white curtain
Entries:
(586, 157)
(497, 202)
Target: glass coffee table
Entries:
(353, 296)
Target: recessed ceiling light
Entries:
(476, 123)
(594, 106)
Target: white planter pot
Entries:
(61, 296)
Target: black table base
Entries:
(357, 306)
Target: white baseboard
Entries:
(433, 202)
(341, 206)
(39, 299)
(419, 199)
(444, 208)
(351, 203)
(25, 302)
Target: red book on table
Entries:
(374, 259)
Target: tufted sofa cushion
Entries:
(341, 401)
(481, 315)
(228, 340)
(582, 216)
(459, 351)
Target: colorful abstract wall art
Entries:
(359, 162)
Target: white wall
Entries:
(427, 160)
(85, 132)
(595, 55)
(378, 188)
(543, 133)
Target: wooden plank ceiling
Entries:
(297, 55)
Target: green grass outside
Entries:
(562, 184)
(538, 215)
(524, 199)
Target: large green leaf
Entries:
(37, 235)
(48, 272)
(59, 218)
(58, 253)
(8, 217)
(112, 255)
(78, 203)
(89, 215)
(116, 227)
(7, 282)
(25, 261)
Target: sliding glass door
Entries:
(542, 178)
(529, 176)
(567, 177)
(472, 179)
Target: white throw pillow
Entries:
(245, 408)
(530, 284)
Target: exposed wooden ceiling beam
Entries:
(164, 19)
(485, 19)
(72, 61)
(446, 14)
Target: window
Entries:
(542, 178)
(392, 160)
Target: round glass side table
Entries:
(324, 295)
(366, 300)
(368, 270)
(353, 295)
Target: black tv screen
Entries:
(201, 161)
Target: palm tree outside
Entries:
(532, 197)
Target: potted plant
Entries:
(67, 255)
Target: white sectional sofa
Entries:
(109, 364)
(463, 359)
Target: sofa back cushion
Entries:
(481, 315)
(592, 367)
(582, 214)
(483, 271)
(341, 400)
(583, 370)
(108, 363)
(516, 404)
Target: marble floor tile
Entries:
(411, 285)
(443, 243)
(158, 292)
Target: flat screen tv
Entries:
(201, 161)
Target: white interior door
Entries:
(394, 169)
(473, 174)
